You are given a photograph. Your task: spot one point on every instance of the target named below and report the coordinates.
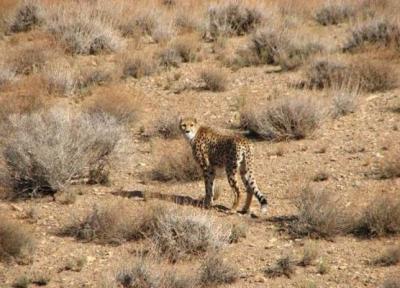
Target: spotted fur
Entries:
(212, 150)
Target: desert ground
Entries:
(98, 188)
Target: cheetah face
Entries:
(189, 127)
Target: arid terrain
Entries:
(98, 188)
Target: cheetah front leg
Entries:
(209, 177)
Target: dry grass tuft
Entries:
(310, 253)
(16, 241)
(380, 32)
(238, 231)
(178, 235)
(186, 48)
(47, 149)
(109, 223)
(138, 66)
(380, 218)
(284, 119)
(29, 95)
(214, 271)
(119, 102)
(28, 59)
(167, 126)
(61, 78)
(345, 99)
(391, 256)
(26, 16)
(7, 75)
(214, 79)
(176, 162)
(320, 215)
(140, 275)
(143, 274)
(90, 77)
(231, 19)
(388, 167)
(333, 14)
(169, 57)
(283, 267)
(392, 282)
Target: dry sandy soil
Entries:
(346, 149)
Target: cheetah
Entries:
(212, 150)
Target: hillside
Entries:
(98, 188)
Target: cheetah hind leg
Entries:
(232, 179)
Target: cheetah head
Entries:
(189, 127)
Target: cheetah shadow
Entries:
(174, 198)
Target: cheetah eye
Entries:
(191, 125)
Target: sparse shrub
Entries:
(215, 80)
(380, 218)
(391, 282)
(112, 223)
(391, 256)
(27, 15)
(214, 271)
(369, 76)
(283, 267)
(176, 163)
(180, 235)
(169, 57)
(47, 149)
(61, 78)
(284, 119)
(274, 46)
(231, 18)
(322, 73)
(167, 126)
(333, 14)
(381, 32)
(138, 67)
(320, 215)
(310, 253)
(16, 240)
(83, 31)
